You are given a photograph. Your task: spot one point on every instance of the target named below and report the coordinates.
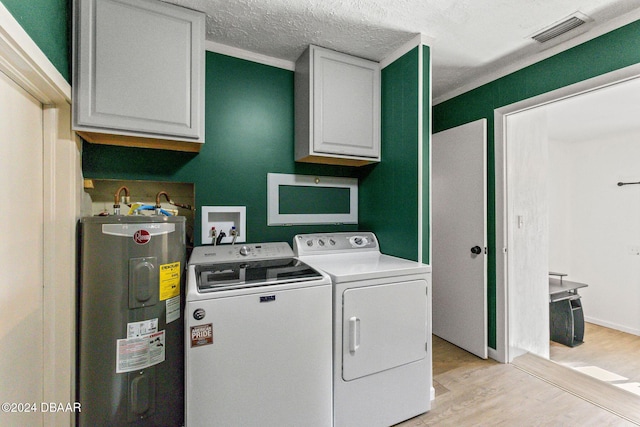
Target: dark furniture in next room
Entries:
(566, 319)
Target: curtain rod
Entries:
(620, 184)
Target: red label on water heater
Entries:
(141, 237)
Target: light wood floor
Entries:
(608, 349)
(475, 392)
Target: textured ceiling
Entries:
(469, 39)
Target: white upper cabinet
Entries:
(138, 74)
(337, 104)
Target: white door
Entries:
(21, 254)
(383, 327)
(459, 200)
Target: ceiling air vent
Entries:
(560, 28)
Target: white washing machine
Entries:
(382, 371)
(258, 334)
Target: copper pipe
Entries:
(116, 199)
(166, 196)
(180, 205)
(116, 196)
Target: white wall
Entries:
(595, 225)
(528, 231)
(560, 217)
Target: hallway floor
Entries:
(475, 392)
(610, 355)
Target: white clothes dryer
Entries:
(382, 368)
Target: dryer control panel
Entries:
(324, 243)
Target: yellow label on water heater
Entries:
(169, 280)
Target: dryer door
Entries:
(383, 327)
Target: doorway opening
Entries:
(537, 172)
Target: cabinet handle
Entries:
(354, 334)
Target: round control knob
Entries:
(309, 243)
(321, 242)
(332, 242)
(245, 250)
(359, 241)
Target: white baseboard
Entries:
(612, 325)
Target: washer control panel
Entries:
(308, 244)
(249, 251)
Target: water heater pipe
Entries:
(116, 199)
(166, 196)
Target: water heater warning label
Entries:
(169, 280)
(140, 352)
(173, 309)
(138, 329)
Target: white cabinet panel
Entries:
(344, 105)
(384, 327)
(139, 69)
(337, 108)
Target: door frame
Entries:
(24, 63)
(503, 229)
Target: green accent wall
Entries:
(249, 132)
(313, 200)
(609, 52)
(388, 192)
(48, 23)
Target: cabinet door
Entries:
(383, 327)
(346, 105)
(139, 67)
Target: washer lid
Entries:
(364, 266)
(237, 275)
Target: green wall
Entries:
(389, 190)
(248, 133)
(609, 52)
(48, 23)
